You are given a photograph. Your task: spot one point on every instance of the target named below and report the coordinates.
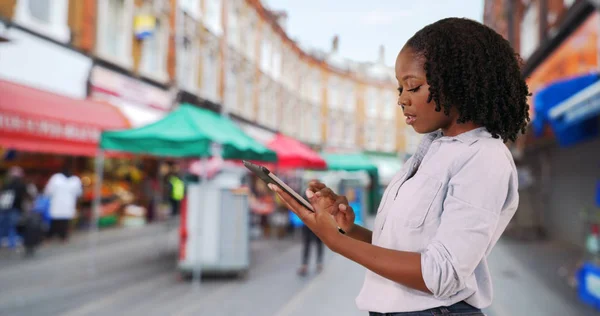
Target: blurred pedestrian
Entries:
(460, 83)
(12, 200)
(176, 192)
(63, 189)
(308, 238)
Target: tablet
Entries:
(266, 175)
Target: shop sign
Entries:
(577, 55)
(38, 127)
(105, 81)
(144, 26)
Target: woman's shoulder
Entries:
(488, 154)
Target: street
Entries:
(135, 274)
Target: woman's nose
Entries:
(403, 101)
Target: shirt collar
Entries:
(467, 137)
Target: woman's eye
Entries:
(415, 89)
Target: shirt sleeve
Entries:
(476, 195)
(48, 190)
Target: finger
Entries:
(323, 204)
(345, 209)
(327, 193)
(316, 186)
(340, 202)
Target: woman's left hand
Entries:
(320, 222)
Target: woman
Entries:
(459, 83)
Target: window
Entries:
(276, 59)
(209, 74)
(250, 36)
(316, 124)
(212, 18)
(266, 53)
(349, 96)
(305, 82)
(349, 133)
(389, 108)
(530, 33)
(191, 8)
(371, 102)
(187, 65)
(115, 21)
(333, 94)
(315, 89)
(263, 101)
(154, 50)
(40, 9)
(332, 126)
(289, 69)
(274, 102)
(187, 57)
(231, 102)
(233, 29)
(47, 17)
(389, 137)
(289, 122)
(370, 134)
(249, 95)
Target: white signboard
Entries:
(113, 83)
(33, 61)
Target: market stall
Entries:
(41, 132)
(190, 132)
(355, 162)
(271, 216)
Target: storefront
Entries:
(563, 154)
(142, 103)
(42, 132)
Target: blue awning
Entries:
(570, 107)
(554, 94)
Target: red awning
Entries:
(292, 153)
(40, 121)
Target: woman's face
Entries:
(414, 92)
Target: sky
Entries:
(364, 25)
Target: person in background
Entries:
(12, 199)
(308, 237)
(176, 191)
(63, 189)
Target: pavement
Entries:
(133, 272)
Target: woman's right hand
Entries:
(337, 205)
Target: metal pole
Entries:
(96, 204)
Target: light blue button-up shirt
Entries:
(450, 202)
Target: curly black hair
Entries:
(471, 67)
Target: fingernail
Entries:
(309, 194)
(342, 207)
(271, 186)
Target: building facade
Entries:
(233, 54)
(558, 41)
